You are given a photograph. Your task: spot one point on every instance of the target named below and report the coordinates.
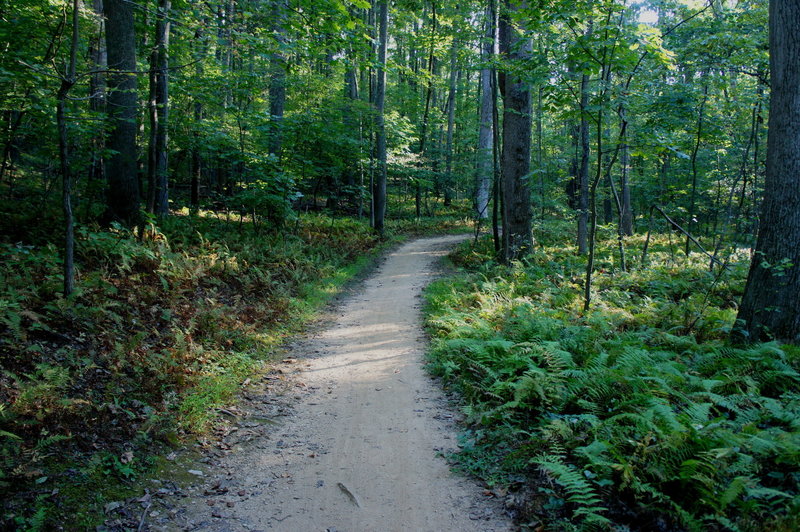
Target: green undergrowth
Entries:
(636, 415)
(160, 334)
(435, 220)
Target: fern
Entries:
(578, 491)
(628, 415)
(734, 490)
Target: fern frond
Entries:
(577, 488)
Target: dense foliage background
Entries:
(215, 168)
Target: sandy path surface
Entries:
(359, 443)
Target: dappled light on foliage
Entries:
(636, 413)
(158, 336)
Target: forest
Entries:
(184, 184)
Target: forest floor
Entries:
(349, 433)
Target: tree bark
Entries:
(516, 141)
(626, 214)
(97, 101)
(583, 174)
(67, 82)
(379, 192)
(695, 151)
(152, 116)
(485, 167)
(429, 93)
(769, 308)
(123, 105)
(277, 86)
(353, 124)
(451, 122)
(161, 206)
(539, 148)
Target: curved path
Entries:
(362, 447)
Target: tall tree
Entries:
(516, 139)
(97, 95)
(67, 82)
(158, 157)
(197, 160)
(451, 121)
(583, 172)
(379, 192)
(123, 107)
(485, 165)
(626, 211)
(429, 97)
(769, 306)
(277, 85)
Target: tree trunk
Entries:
(583, 174)
(485, 166)
(123, 105)
(353, 124)
(161, 205)
(429, 93)
(769, 306)
(516, 141)
(626, 214)
(451, 122)
(698, 140)
(67, 82)
(539, 148)
(152, 115)
(197, 159)
(97, 101)
(497, 192)
(379, 192)
(277, 86)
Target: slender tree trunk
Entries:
(626, 214)
(744, 209)
(497, 188)
(583, 174)
(372, 27)
(67, 82)
(97, 102)
(698, 140)
(429, 93)
(380, 98)
(485, 166)
(277, 87)
(756, 160)
(161, 206)
(152, 115)
(353, 123)
(769, 306)
(587, 293)
(197, 159)
(197, 109)
(451, 122)
(539, 148)
(227, 10)
(605, 83)
(123, 107)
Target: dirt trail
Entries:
(361, 448)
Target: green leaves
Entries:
(579, 492)
(617, 412)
